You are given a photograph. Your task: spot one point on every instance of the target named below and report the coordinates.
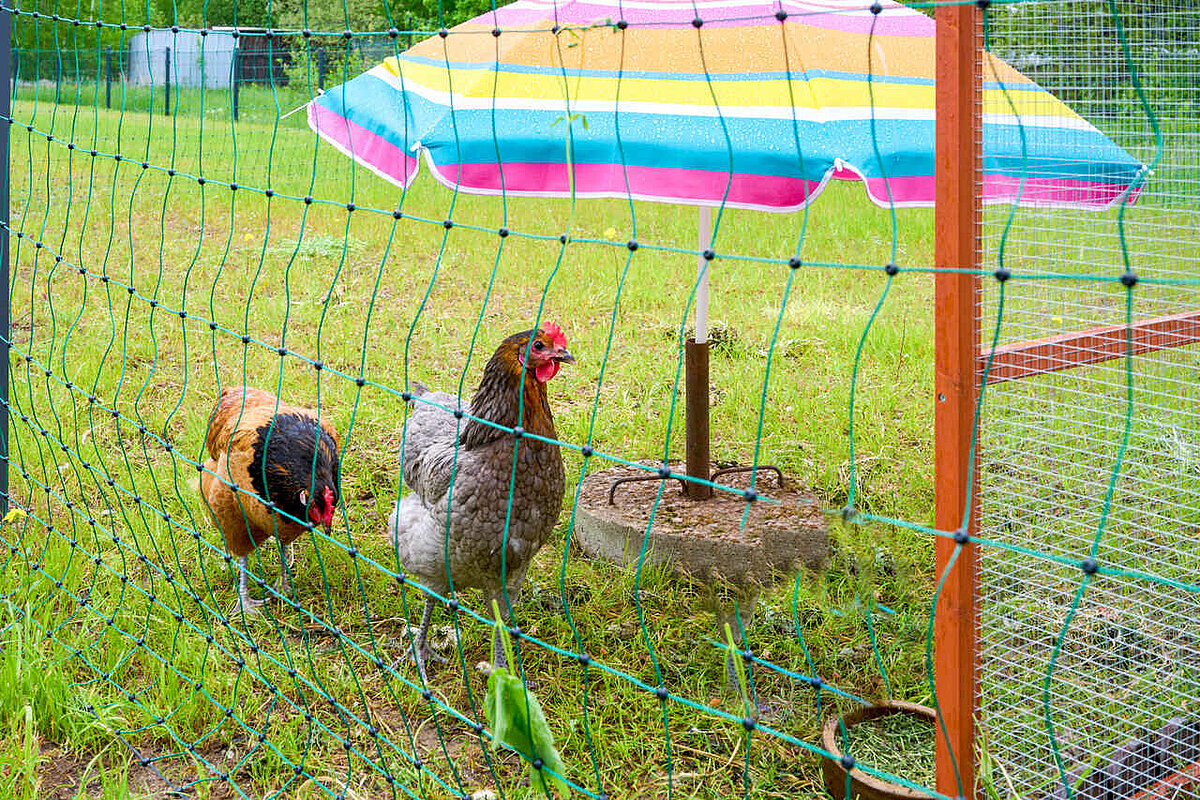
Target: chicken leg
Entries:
(248, 605)
(287, 563)
(422, 652)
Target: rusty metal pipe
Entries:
(696, 396)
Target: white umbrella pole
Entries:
(698, 462)
(703, 239)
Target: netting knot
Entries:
(1089, 566)
(961, 537)
(174, 29)
(664, 472)
(347, 35)
(443, 33)
(622, 24)
(308, 199)
(537, 764)
(393, 32)
(448, 224)
(891, 268)
(518, 432)
(233, 187)
(503, 232)
(781, 15)
(876, 8)
(452, 604)
(200, 180)
(1002, 274)
(847, 762)
(584, 659)
(709, 255)
(360, 382)
(203, 31)
(1129, 280)
(268, 193)
(563, 238)
(750, 495)
(397, 214)
(586, 451)
(458, 413)
(662, 694)
(496, 32)
(795, 263)
(306, 33)
(983, 4)
(697, 23)
(632, 245)
(749, 724)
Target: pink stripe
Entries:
(1053, 191)
(658, 183)
(364, 146)
(759, 191)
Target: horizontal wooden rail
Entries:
(1011, 362)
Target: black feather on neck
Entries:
(284, 466)
(499, 398)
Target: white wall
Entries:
(147, 58)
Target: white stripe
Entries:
(822, 115)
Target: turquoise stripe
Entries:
(760, 146)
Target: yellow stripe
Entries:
(811, 94)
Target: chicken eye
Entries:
(539, 346)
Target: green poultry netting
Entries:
(185, 215)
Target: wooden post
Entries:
(956, 333)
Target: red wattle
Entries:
(546, 371)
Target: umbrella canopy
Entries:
(736, 102)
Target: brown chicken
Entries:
(457, 519)
(263, 463)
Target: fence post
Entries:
(235, 68)
(322, 68)
(108, 77)
(956, 359)
(167, 83)
(6, 64)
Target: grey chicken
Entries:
(453, 520)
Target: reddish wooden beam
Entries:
(956, 336)
(1066, 350)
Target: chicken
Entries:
(454, 518)
(263, 462)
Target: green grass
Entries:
(344, 288)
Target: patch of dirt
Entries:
(61, 771)
(705, 539)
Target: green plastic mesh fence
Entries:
(466, 594)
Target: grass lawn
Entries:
(136, 639)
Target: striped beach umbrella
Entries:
(744, 103)
(735, 103)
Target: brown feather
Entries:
(227, 485)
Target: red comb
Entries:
(555, 333)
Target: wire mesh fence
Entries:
(177, 229)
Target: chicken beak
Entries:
(564, 356)
(329, 529)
